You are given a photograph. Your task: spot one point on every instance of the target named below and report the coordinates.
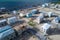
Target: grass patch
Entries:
(31, 23)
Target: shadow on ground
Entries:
(27, 34)
(54, 31)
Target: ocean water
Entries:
(15, 5)
(12, 5)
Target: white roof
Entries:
(27, 14)
(50, 12)
(56, 19)
(41, 15)
(14, 12)
(46, 4)
(21, 14)
(2, 20)
(46, 26)
(11, 18)
(43, 5)
(34, 10)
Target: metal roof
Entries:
(43, 5)
(6, 33)
(47, 4)
(34, 10)
(46, 26)
(14, 12)
(56, 19)
(2, 29)
(50, 13)
(12, 20)
(29, 14)
(2, 20)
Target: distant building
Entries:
(34, 11)
(28, 15)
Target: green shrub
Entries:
(31, 23)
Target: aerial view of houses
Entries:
(29, 19)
